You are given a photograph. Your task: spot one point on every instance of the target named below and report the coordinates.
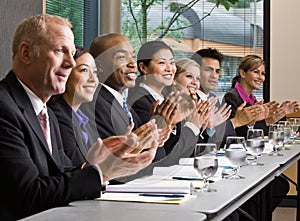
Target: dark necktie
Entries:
(125, 107)
(44, 121)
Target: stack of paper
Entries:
(140, 198)
(149, 191)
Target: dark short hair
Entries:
(207, 53)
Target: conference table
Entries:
(230, 195)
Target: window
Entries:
(83, 14)
(235, 33)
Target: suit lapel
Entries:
(24, 104)
(116, 108)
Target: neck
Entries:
(155, 86)
(71, 101)
(204, 91)
(247, 89)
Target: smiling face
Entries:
(82, 82)
(161, 70)
(210, 71)
(49, 68)
(116, 63)
(189, 79)
(253, 79)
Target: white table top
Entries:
(231, 193)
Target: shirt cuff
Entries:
(193, 127)
(210, 131)
(103, 184)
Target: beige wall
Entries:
(285, 50)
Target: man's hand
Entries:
(122, 163)
(219, 115)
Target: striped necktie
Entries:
(125, 107)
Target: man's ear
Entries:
(25, 52)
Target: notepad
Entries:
(135, 197)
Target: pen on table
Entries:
(186, 178)
(162, 195)
(190, 178)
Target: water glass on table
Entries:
(255, 145)
(295, 125)
(288, 132)
(236, 153)
(276, 138)
(206, 163)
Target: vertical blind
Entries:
(83, 15)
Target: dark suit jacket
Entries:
(74, 144)
(222, 131)
(233, 98)
(141, 101)
(107, 114)
(32, 179)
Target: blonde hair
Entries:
(31, 30)
(183, 64)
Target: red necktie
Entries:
(44, 121)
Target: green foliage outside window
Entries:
(71, 9)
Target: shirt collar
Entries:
(117, 95)
(81, 118)
(202, 95)
(36, 102)
(251, 99)
(153, 93)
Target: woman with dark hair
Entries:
(74, 124)
(157, 67)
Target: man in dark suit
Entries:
(210, 60)
(36, 174)
(117, 69)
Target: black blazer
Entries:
(233, 98)
(74, 144)
(141, 102)
(32, 179)
(107, 114)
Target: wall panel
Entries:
(12, 12)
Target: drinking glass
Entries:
(206, 163)
(236, 152)
(295, 125)
(255, 144)
(287, 130)
(276, 138)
